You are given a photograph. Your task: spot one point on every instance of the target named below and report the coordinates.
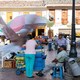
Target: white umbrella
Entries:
(27, 21)
(22, 25)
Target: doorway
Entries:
(40, 31)
(33, 33)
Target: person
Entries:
(60, 41)
(60, 58)
(30, 56)
(49, 44)
(54, 41)
(2, 42)
(68, 44)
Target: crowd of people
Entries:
(62, 45)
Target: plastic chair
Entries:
(57, 72)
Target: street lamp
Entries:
(73, 52)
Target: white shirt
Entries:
(49, 40)
(30, 47)
(68, 43)
(62, 55)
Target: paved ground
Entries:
(9, 74)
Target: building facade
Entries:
(60, 10)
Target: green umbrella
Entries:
(1, 32)
(50, 23)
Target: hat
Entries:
(63, 46)
(71, 59)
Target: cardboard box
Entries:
(9, 63)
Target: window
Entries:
(52, 12)
(64, 17)
(77, 16)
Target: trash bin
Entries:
(74, 67)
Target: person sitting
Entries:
(61, 56)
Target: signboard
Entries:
(78, 34)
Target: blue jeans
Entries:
(49, 46)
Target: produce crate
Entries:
(20, 63)
(9, 63)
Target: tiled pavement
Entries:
(9, 74)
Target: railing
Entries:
(60, 1)
(19, 4)
(27, 3)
